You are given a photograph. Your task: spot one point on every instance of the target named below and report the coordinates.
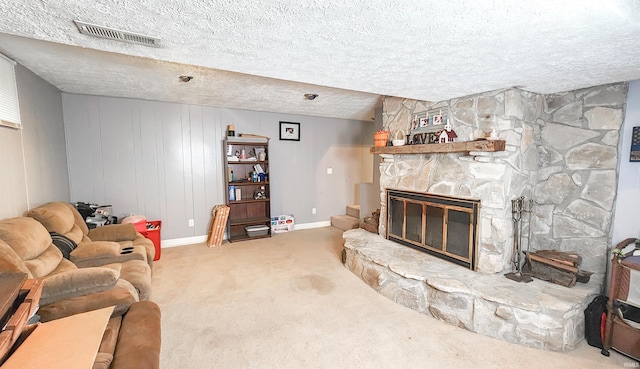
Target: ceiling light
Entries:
(185, 78)
(310, 96)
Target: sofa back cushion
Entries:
(59, 217)
(80, 221)
(32, 244)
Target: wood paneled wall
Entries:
(164, 160)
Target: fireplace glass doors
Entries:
(440, 225)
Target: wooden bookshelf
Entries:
(246, 210)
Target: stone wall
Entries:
(575, 189)
(561, 151)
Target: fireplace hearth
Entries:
(443, 226)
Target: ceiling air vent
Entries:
(116, 34)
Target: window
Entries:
(9, 107)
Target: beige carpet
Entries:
(288, 302)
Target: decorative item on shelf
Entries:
(447, 135)
(260, 153)
(493, 135)
(414, 123)
(426, 126)
(424, 122)
(438, 118)
(231, 131)
(232, 193)
(260, 194)
(380, 138)
(399, 139)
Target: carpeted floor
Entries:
(288, 302)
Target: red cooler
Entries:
(152, 232)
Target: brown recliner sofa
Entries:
(114, 243)
(26, 246)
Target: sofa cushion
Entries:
(138, 273)
(58, 217)
(63, 243)
(77, 282)
(46, 263)
(139, 340)
(32, 243)
(113, 232)
(10, 262)
(79, 220)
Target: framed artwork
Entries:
(635, 145)
(289, 131)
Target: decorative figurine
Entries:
(260, 194)
(447, 134)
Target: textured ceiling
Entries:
(264, 55)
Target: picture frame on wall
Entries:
(289, 131)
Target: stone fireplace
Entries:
(561, 151)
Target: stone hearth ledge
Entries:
(538, 314)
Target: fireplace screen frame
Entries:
(448, 207)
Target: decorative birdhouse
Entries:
(447, 134)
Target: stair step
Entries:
(345, 222)
(354, 211)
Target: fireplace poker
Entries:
(517, 208)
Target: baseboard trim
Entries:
(297, 227)
(201, 239)
(183, 241)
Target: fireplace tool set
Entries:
(519, 207)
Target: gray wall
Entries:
(164, 160)
(627, 209)
(34, 166)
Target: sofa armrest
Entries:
(113, 232)
(78, 282)
(139, 339)
(100, 253)
(122, 295)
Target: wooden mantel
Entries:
(466, 146)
